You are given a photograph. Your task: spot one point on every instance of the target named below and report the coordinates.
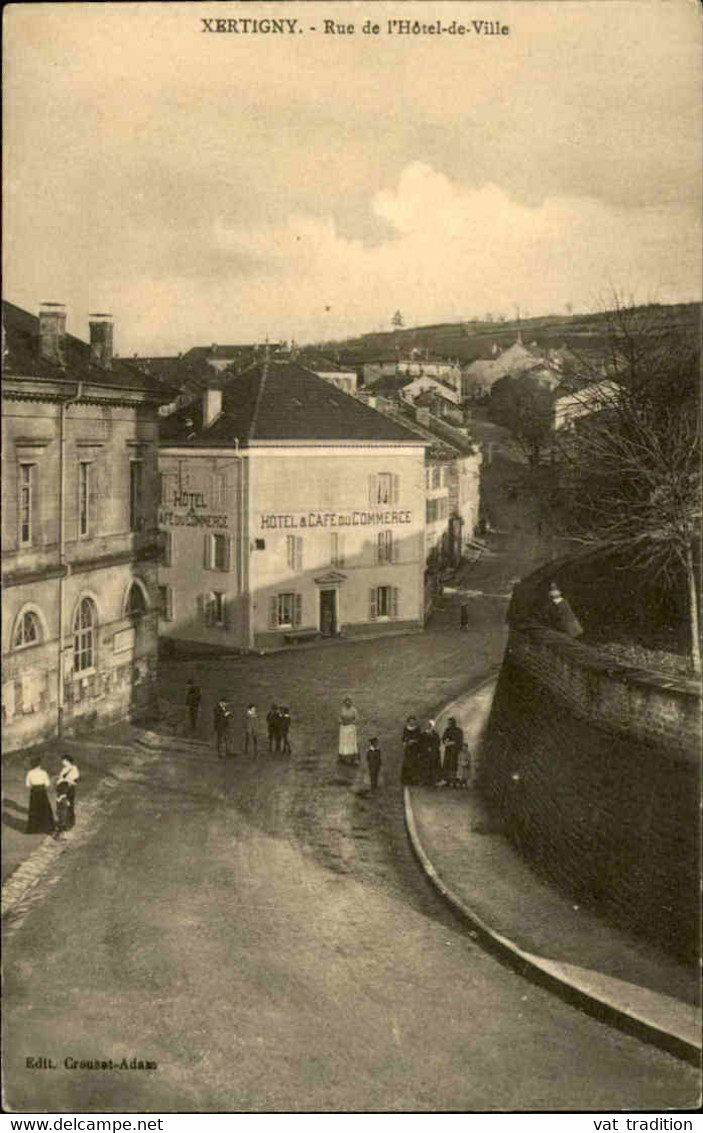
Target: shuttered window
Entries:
(383, 602)
(285, 610)
(294, 552)
(337, 549)
(384, 488)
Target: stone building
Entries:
(289, 509)
(79, 528)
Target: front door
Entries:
(328, 613)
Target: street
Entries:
(259, 928)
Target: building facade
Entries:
(289, 509)
(79, 531)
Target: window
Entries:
(436, 476)
(84, 636)
(166, 603)
(166, 538)
(383, 488)
(220, 551)
(136, 495)
(294, 552)
(217, 608)
(26, 500)
(83, 497)
(28, 631)
(385, 548)
(431, 511)
(383, 602)
(337, 549)
(285, 611)
(136, 602)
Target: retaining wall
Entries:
(595, 768)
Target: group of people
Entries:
(40, 816)
(278, 726)
(432, 760)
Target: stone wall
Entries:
(596, 771)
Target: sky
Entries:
(209, 187)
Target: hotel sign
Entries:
(193, 517)
(313, 519)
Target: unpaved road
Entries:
(261, 931)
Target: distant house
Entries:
(414, 365)
(480, 376)
(328, 369)
(572, 406)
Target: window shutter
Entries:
(273, 612)
(396, 489)
(395, 548)
(225, 611)
(168, 548)
(394, 601)
(207, 551)
(340, 550)
(298, 552)
(297, 609)
(373, 490)
(228, 553)
(372, 604)
(169, 603)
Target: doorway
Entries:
(328, 613)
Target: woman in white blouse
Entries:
(40, 817)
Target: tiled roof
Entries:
(318, 363)
(231, 352)
(280, 400)
(23, 359)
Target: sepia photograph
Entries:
(351, 561)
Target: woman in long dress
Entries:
(453, 740)
(40, 817)
(410, 770)
(348, 741)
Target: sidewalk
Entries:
(618, 977)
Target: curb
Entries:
(537, 968)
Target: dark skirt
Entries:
(40, 817)
(451, 757)
(410, 769)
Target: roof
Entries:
(318, 363)
(23, 359)
(278, 400)
(229, 352)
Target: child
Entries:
(463, 768)
(63, 809)
(285, 729)
(373, 758)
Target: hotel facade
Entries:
(288, 510)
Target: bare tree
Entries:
(630, 470)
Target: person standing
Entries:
(68, 775)
(348, 742)
(251, 729)
(373, 759)
(40, 817)
(453, 740)
(410, 769)
(464, 617)
(221, 719)
(431, 755)
(463, 770)
(560, 615)
(193, 697)
(273, 725)
(285, 729)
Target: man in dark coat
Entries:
(273, 725)
(560, 615)
(221, 719)
(430, 754)
(193, 697)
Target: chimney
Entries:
(101, 340)
(52, 332)
(212, 406)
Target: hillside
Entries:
(470, 340)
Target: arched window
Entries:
(28, 631)
(84, 625)
(136, 602)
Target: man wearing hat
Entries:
(561, 616)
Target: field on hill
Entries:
(470, 340)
